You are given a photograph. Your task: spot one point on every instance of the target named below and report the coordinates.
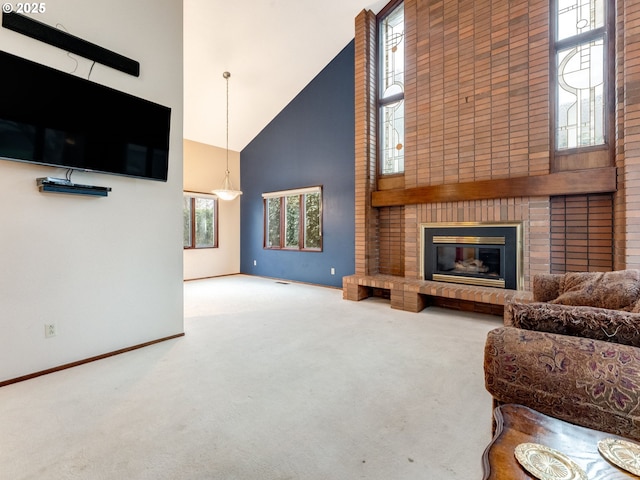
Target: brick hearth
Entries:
(414, 295)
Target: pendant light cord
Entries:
(226, 75)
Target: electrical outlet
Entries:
(255, 263)
(49, 330)
(333, 271)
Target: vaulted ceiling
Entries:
(272, 48)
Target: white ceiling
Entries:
(272, 48)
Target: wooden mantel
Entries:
(577, 182)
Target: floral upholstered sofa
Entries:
(574, 352)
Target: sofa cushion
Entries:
(590, 322)
(618, 290)
(546, 286)
(579, 380)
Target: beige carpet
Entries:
(273, 382)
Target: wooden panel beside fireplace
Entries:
(483, 254)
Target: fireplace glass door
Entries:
(473, 254)
(483, 264)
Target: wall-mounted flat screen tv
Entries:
(54, 118)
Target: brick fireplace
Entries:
(532, 215)
(478, 149)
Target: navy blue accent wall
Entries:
(311, 142)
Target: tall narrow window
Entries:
(200, 218)
(581, 73)
(272, 220)
(293, 219)
(391, 91)
(312, 230)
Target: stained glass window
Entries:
(579, 16)
(391, 91)
(581, 79)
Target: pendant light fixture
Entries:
(227, 192)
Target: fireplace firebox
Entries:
(484, 254)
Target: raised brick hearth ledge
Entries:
(414, 295)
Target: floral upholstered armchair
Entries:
(570, 356)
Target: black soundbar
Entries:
(59, 185)
(53, 36)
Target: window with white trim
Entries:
(293, 219)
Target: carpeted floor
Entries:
(273, 381)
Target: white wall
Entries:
(204, 167)
(106, 271)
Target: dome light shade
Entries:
(227, 192)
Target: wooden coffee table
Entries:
(516, 424)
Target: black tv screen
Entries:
(54, 118)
